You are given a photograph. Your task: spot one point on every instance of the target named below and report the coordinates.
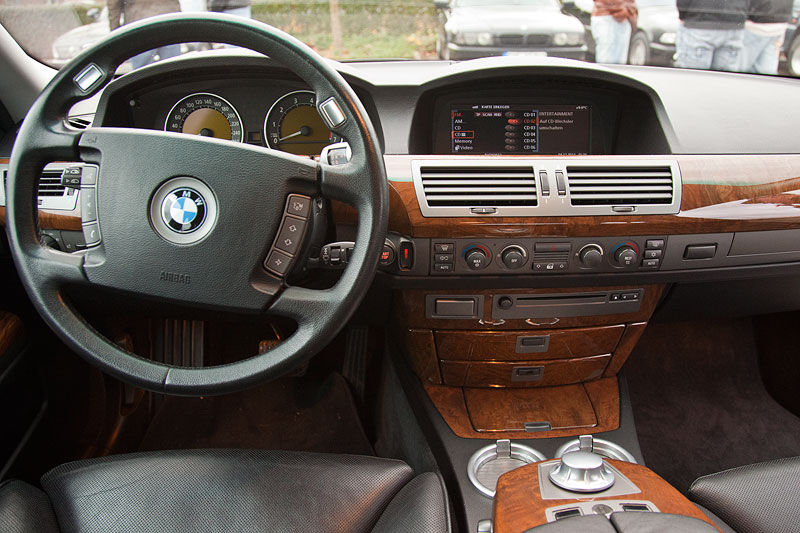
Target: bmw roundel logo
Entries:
(183, 210)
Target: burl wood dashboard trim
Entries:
(11, 331)
(518, 505)
(603, 395)
(721, 193)
(60, 220)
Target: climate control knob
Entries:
(591, 255)
(625, 255)
(513, 257)
(476, 258)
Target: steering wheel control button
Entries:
(278, 262)
(183, 210)
(89, 77)
(89, 176)
(291, 234)
(91, 234)
(71, 177)
(332, 113)
(298, 205)
(89, 204)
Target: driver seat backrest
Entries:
(228, 490)
(757, 498)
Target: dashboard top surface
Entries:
(700, 112)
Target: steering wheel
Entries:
(192, 219)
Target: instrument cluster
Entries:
(291, 124)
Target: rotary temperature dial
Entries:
(625, 254)
(477, 258)
(513, 257)
(591, 255)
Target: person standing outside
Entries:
(711, 34)
(764, 32)
(126, 11)
(612, 24)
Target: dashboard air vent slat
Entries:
(620, 185)
(482, 186)
(50, 184)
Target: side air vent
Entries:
(622, 186)
(52, 194)
(50, 184)
(536, 187)
(484, 186)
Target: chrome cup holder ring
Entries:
(490, 462)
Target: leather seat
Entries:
(228, 490)
(758, 498)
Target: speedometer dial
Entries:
(205, 114)
(294, 125)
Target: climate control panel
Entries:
(546, 256)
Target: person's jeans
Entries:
(612, 39)
(761, 54)
(709, 49)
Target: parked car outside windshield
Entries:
(54, 31)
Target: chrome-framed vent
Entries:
(546, 187)
(52, 194)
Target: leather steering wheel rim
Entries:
(131, 164)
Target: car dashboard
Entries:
(541, 210)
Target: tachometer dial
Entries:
(205, 114)
(294, 125)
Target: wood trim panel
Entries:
(721, 193)
(633, 332)
(60, 220)
(66, 220)
(451, 404)
(567, 407)
(499, 374)
(411, 310)
(518, 505)
(11, 331)
(421, 351)
(501, 345)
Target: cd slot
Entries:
(516, 306)
(582, 299)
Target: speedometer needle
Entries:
(305, 131)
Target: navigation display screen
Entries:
(519, 129)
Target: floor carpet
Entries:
(289, 414)
(699, 403)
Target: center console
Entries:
(583, 484)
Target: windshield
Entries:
(753, 36)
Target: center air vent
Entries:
(622, 186)
(484, 186)
(534, 187)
